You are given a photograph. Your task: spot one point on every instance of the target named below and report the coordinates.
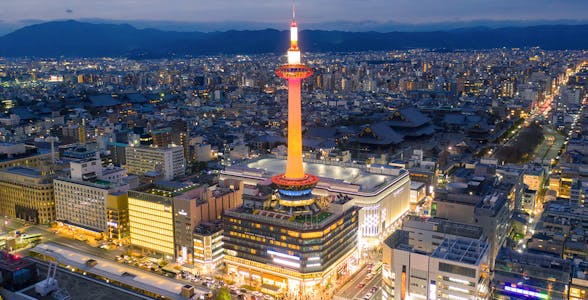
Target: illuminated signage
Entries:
(286, 262)
(525, 292)
(294, 193)
(182, 212)
(433, 290)
(282, 255)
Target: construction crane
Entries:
(49, 284)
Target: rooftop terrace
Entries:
(461, 250)
(347, 173)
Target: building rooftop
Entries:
(166, 188)
(544, 261)
(303, 222)
(12, 262)
(80, 287)
(97, 183)
(168, 288)
(444, 226)
(462, 250)
(23, 171)
(352, 177)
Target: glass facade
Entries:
(151, 222)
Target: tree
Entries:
(223, 294)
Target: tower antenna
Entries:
(293, 11)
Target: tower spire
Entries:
(293, 12)
(295, 186)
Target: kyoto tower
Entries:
(295, 187)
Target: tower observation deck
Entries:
(295, 186)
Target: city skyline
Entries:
(340, 14)
(150, 164)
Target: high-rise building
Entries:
(151, 219)
(117, 215)
(19, 154)
(436, 259)
(164, 215)
(201, 205)
(294, 243)
(490, 211)
(27, 194)
(82, 198)
(208, 247)
(168, 162)
(162, 137)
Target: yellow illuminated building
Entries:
(33, 161)
(151, 221)
(117, 214)
(27, 194)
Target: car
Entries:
(361, 285)
(368, 296)
(369, 276)
(374, 289)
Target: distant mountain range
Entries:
(81, 39)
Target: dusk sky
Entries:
(271, 13)
(409, 11)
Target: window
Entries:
(459, 270)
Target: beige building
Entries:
(436, 259)
(83, 203)
(169, 162)
(27, 194)
(202, 205)
(382, 192)
(534, 177)
(81, 199)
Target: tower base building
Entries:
(382, 192)
(291, 255)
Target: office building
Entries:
(21, 155)
(208, 247)
(203, 204)
(117, 215)
(458, 268)
(418, 239)
(151, 218)
(490, 211)
(533, 276)
(164, 215)
(168, 162)
(27, 194)
(82, 198)
(382, 193)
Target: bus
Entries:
(31, 238)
